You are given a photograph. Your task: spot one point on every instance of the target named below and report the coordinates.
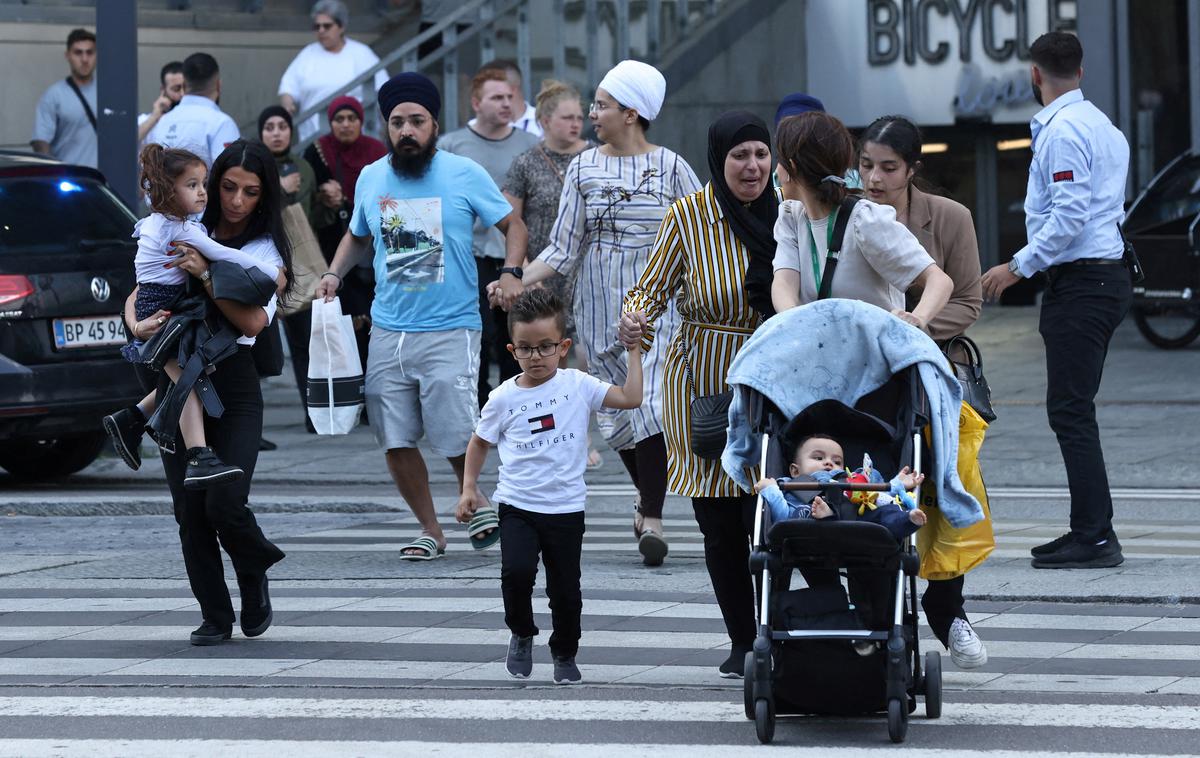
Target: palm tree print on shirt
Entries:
(411, 231)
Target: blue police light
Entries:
(65, 186)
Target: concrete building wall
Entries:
(31, 57)
(762, 60)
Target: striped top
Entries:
(608, 215)
(698, 260)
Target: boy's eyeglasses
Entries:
(524, 352)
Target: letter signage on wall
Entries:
(936, 61)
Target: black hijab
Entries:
(753, 223)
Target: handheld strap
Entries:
(82, 101)
(835, 244)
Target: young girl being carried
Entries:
(174, 180)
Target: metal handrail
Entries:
(489, 13)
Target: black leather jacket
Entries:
(198, 337)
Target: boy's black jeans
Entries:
(559, 539)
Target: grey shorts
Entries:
(423, 383)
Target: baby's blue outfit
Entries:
(789, 505)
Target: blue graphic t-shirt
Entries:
(425, 276)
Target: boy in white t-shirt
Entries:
(539, 420)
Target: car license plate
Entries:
(88, 332)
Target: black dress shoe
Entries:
(211, 634)
(256, 604)
(734, 666)
(1077, 555)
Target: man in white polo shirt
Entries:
(197, 123)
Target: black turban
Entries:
(409, 87)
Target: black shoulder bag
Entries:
(82, 101)
(707, 430)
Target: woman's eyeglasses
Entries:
(323, 27)
(524, 352)
(601, 107)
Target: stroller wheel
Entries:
(748, 686)
(764, 720)
(933, 685)
(897, 716)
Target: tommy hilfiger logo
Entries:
(1064, 176)
(540, 424)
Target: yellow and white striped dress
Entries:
(697, 259)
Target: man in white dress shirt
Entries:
(1074, 206)
(197, 123)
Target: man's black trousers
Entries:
(1081, 308)
(558, 537)
(493, 342)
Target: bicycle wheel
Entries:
(1168, 327)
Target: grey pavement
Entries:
(1147, 398)
(370, 655)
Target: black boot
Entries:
(205, 469)
(210, 634)
(125, 428)
(256, 604)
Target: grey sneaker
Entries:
(966, 649)
(565, 671)
(520, 657)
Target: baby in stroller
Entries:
(819, 458)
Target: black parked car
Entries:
(1164, 226)
(66, 268)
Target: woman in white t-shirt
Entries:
(247, 216)
(880, 258)
(324, 67)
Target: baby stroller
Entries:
(803, 660)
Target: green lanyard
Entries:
(816, 260)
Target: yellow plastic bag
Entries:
(947, 552)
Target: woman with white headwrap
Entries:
(614, 198)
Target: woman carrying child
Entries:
(247, 218)
(174, 181)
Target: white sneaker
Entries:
(966, 649)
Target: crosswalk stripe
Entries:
(592, 640)
(30, 607)
(955, 714)
(449, 672)
(624, 537)
(109, 748)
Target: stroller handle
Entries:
(846, 486)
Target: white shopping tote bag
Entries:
(335, 379)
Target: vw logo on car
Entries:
(100, 289)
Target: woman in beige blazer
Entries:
(889, 158)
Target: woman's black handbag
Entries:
(709, 418)
(976, 392)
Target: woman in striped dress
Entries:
(713, 254)
(613, 201)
